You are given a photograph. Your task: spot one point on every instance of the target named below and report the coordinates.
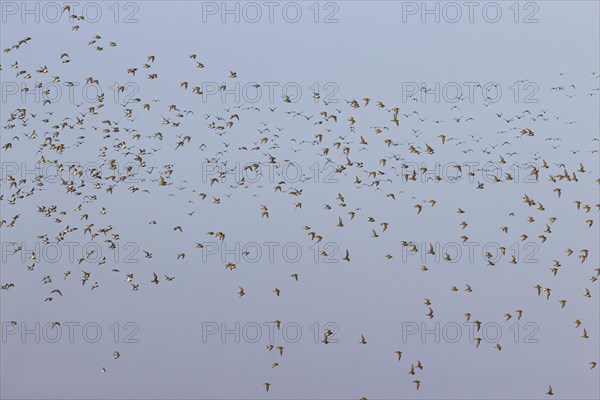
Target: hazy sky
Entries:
(384, 50)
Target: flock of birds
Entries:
(375, 158)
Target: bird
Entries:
(585, 335)
(346, 256)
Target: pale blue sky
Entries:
(369, 52)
